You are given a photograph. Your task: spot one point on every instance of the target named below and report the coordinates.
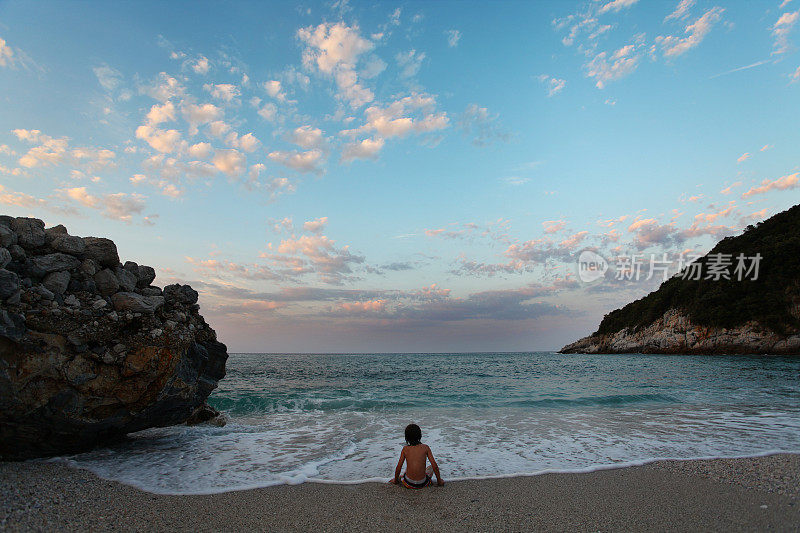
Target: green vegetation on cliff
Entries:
(730, 303)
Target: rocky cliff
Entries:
(675, 333)
(89, 349)
(716, 315)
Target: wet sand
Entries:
(712, 495)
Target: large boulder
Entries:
(181, 294)
(102, 251)
(89, 350)
(136, 303)
(68, 244)
(44, 264)
(30, 232)
(57, 282)
(106, 282)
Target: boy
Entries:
(414, 455)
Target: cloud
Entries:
(163, 88)
(729, 188)
(604, 68)
(268, 112)
(573, 240)
(553, 226)
(108, 77)
(554, 85)
(790, 181)
(781, 29)
(223, 91)
(164, 141)
(744, 157)
(411, 114)
(274, 88)
(315, 254)
(308, 137)
(20, 199)
(481, 125)
(617, 5)
(201, 150)
(334, 50)
(200, 65)
(673, 46)
(231, 162)
(197, 114)
(681, 11)
(56, 151)
(316, 226)
(365, 149)
(330, 46)
(7, 58)
(308, 161)
(453, 36)
(409, 62)
(117, 206)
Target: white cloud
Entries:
(197, 114)
(554, 85)
(223, 91)
(308, 137)
(681, 11)
(164, 88)
(332, 45)
(621, 63)
(231, 162)
(274, 88)
(165, 141)
(117, 206)
(109, 78)
(744, 157)
(218, 128)
(201, 65)
(781, 30)
(395, 119)
(334, 49)
(453, 36)
(308, 161)
(160, 113)
(268, 111)
(6, 54)
(248, 143)
(790, 181)
(315, 226)
(201, 150)
(366, 149)
(673, 46)
(617, 5)
(410, 62)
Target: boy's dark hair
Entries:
(413, 434)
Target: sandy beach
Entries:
(712, 495)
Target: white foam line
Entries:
(586, 470)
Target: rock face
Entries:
(675, 333)
(89, 349)
(717, 314)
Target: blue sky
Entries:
(406, 176)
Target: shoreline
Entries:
(65, 461)
(753, 493)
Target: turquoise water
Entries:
(340, 418)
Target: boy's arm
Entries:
(399, 467)
(439, 480)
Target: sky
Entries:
(400, 176)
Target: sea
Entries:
(339, 418)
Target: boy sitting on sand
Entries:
(414, 455)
